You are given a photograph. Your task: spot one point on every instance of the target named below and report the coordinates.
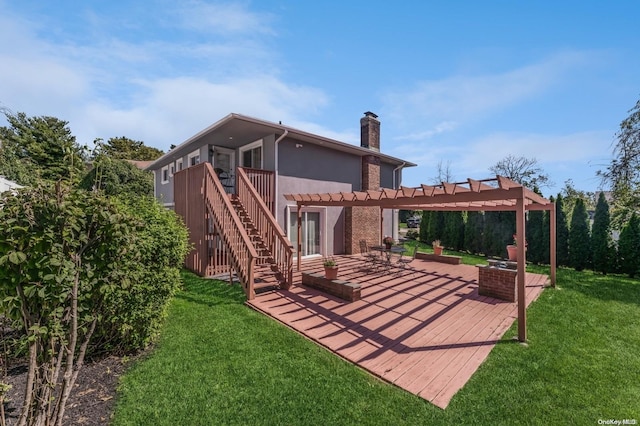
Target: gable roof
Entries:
(246, 128)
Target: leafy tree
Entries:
(61, 252)
(424, 226)
(525, 171)
(499, 228)
(579, 237)
(436, 226)
(571, 194)
(81, 273)
(118, 177)
(124, 148)
(535, 237)
(473, 232)
(546, 237)
(629, 247)
(453, 235)
(46, 143)
(17, 169)
(601, 242)
(623, 173)
(562, 233)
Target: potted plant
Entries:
(437, 248)
(512, 249)
(387, 241)
(330, 268)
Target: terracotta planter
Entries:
(331, 272)
(512, 251)
(437, 250)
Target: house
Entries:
(6, 184)
(278, 160)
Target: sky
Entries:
(458, 83)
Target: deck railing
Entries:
(261, 215)
(264, 183)
(201, 200)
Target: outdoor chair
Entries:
(370, 257)
(404, 261)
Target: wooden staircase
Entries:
(232, 233)
(268, 275)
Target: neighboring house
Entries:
(6, 184)
(295, 162)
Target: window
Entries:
(193, 158)
(179, 164)
(164, 174)
(251, 155)
(172, 169)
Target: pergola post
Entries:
(381, 225)
(552, 244)
(520, 276)
(299, 248)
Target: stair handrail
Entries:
(270, 231)
(237, 243)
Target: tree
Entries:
(622, 174)
(61, 250)
(473, 232)
(535, 235)
(525, 171)
(579, 237)
(436, 226)
(629, 247)
(601, 242)
(562, 233)
(46, 143)
(453, 235)
(81, 272)
(118, 177)
(571, 194)
(424, 226)
(124, 148)
(444, 173)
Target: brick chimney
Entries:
(370, 131)
(370, 139)
(363, 223)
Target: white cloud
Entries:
(462, 98)
(223, 18)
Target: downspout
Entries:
(275, 187)
(394, 213)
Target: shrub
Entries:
(135, 314)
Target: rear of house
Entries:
(289, 160)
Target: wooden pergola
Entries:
(495, 194)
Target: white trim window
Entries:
(164, 175)
(172, 169)
(251, 155)
(179, 165)
(193, 158)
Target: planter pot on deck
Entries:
(437, 250)
(331, 272)
(512, 251)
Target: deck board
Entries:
(426, 330)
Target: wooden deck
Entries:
(426, 331)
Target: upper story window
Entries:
(179, 164)
(194, 158)
(164, 174)
(251, 155)
(172, 169)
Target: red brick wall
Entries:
(361, 223)
(497, 282)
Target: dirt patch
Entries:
(92, 399)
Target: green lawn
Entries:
(219, 362)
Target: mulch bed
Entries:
(93, 397)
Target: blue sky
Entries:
(462, 83)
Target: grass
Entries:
(219, 362)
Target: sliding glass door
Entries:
(311, 221)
